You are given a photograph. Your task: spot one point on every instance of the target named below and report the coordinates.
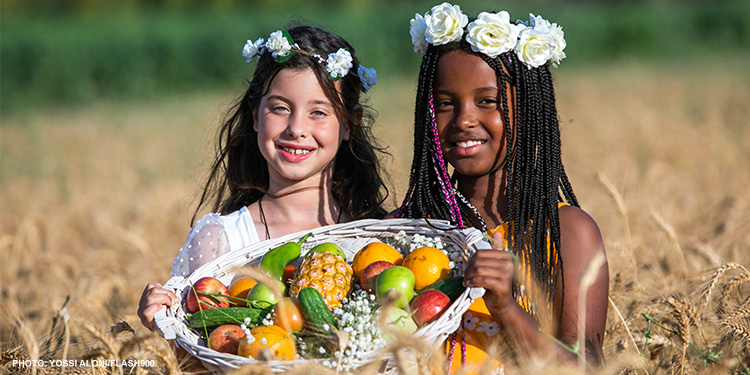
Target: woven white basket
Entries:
(351, 237)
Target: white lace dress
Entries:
(212, 236)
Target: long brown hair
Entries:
(239, 174)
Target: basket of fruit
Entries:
(336, 294)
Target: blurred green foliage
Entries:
(69, 52)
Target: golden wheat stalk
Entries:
(590, 274)
(727, 290)
(670, 232)
(707, 288)
(683, 313)
(736, 328)
(32, 347)
(709, 253)
(66, 332)
(111, 346)
(621, 208)
(625, 324)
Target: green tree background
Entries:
(69, 52)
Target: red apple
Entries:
(206, 285)
(371, 272)
(429, 305)
(226, 338)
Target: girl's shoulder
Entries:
(213, 219)
(579, 231)
(213, 235)
(238, 227)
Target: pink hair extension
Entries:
(443, 173)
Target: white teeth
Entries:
(469, 143)
(296, 151)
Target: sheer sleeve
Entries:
(206, 241)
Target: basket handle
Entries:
(165, 324)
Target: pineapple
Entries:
(327, 272)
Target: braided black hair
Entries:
(536, 179)
(239, 175)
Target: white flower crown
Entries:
(281, 46)
(535, 41)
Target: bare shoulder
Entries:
(579, 233)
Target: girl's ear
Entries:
(357, 114)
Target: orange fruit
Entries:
(239, 288)
(476, 359)
(288, 273)
(275, 341)
(428, 265)
(372, 253)
(288, 315)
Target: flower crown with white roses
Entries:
(536, 41)
(281, 46)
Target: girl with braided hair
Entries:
(485, 107)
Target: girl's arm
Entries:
(585, 270)
(581, 243)
(206, 241)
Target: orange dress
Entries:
(479, 330)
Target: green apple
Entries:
(396, 319)
(328, 247)
(262, 294)
(398, 279)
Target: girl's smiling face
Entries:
(299, 131)
(468, 112)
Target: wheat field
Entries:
(96, 200)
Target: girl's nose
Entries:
(465, 117)
(297, 126)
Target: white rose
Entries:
(252, 49)
(445, 24)
(278, 44)
(368, 76)
(558, 54)
(492, 33)
(535, 44)
(417, 29)
(339, 63)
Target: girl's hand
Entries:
(492, 270)
(153, 299)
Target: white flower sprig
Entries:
(535, 42)
(281, 46)
(339, 63)
(252, 49)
